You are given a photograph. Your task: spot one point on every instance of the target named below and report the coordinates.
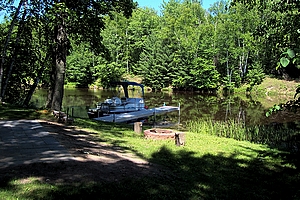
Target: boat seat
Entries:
(123, 101)
(116, 101)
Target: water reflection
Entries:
(193, 106)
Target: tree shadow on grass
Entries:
(228, 177)
(9, 112)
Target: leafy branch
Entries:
(290, 56)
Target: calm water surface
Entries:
(192, 106)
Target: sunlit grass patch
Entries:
(29, 188)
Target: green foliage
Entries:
(273, 109)
(284, 61)
(278, 32)
(259, 134)
(184, 48)
(205, 75)
(108, 73)
(155, 63)
(255, 76)
(26, 55)
(142, 24)
(228, 84)
(290, 55)
(40, 43)
(170, 55)
(164, 49)
(80, 66)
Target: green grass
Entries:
(271, 91)
(273, 135)
(207, 167)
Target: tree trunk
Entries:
(59, 58)
(20, 29)
(36, 82)
(6, 45)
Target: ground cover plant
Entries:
(207, 167)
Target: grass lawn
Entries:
(207, 167)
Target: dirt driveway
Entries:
(94, 161)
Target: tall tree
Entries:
(20, 30)
(143, 23)
(278, 31)
(89, 16)
(235, 44)
(4, 51)
(80, 20)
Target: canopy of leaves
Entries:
(183, 47)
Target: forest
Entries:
(183, 46)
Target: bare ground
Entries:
(94, 161)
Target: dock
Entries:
(131, 116)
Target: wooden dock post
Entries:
(69, 119)
(138, 126)
(72, 112)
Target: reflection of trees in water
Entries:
(195, 106)
(241, 115)
(228, 109)
(244, 111)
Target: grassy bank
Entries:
(272, 91)
(273, 86)
(282, 136)
(207, 167)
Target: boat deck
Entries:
(124, 117)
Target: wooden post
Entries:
(154, 123)
(138, 126)
(179, 138)
(72, 109)
(178, 115)
(70, 120)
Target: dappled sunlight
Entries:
(93, 163)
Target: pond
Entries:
(193, 106)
